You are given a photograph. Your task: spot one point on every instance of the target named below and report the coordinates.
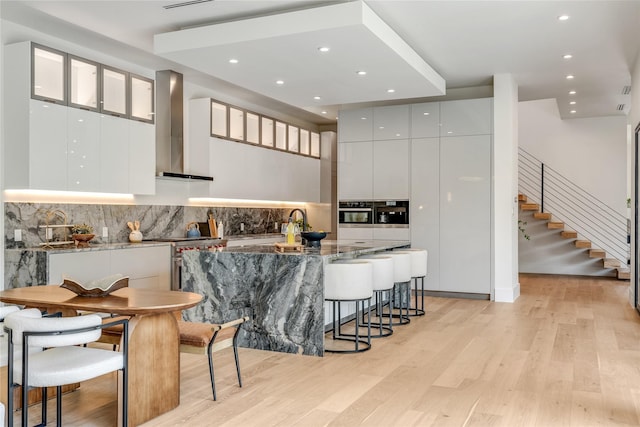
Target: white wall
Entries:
(634, 121)
(580, 149)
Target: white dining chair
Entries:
(63, 359)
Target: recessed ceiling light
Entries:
(279, 82)
(390, 90)
(381, 127)
(425, 114)
(323, 112)
(572, 92)
(317, 98)
(563, 17)
(323, 49)
(570, 76)
(567, 56)
(363, 118)
(572, 103)
(361, 73)
(397, 134)
(572, 111)
(233, 61)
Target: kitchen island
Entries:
(282, 293)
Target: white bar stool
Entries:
(402, 285)
(349, 282)
(418, 271)
(382, 282)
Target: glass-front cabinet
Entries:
(141, 98)
(83, 83)
(293, 137)
(315, 144)
(281, 135)
(218, 119)
(253, 128)
(236, 124)
(114, 91)
(48, 72)
(304, 141)
(267, 132)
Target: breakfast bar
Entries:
(282, 293)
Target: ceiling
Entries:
(413, 47)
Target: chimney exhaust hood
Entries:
(169, 127)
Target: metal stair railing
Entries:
(578, 209)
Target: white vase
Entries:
(135, 236)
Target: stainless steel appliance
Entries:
(391, 213)
(181, 244)
(355, 213)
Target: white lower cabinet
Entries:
(147, 267)
(355, 233)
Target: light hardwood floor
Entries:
(566, 353)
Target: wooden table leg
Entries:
(154, 367)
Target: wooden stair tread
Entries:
(597, 253)
(542, 215)
(569, 234)
(530, 207)
(611, 263)
(624, 273)
(555, 224)
(522, 198)
(583, 244)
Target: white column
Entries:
(505, 189)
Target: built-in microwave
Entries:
(355, 213)
(391, 212)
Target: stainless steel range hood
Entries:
(169, 127)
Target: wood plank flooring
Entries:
(566, 353)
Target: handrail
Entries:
(577, 208)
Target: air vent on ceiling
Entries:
(620, 107)
(185, 3)
(626, 90)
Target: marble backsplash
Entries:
(155, 221)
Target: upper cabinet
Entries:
(57, 138)
(142, 99)
(49, 70)
(425, 120)
(83, 83)
(355, 125)
(391, 122)
(466, 117)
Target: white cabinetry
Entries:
(142, 158)
(466, 117)
(465, 214)
(425, 120)
(391, 122)
(355, 170)
(146, 267)
(83, 150)
(355, 125)
(114, 154)
(46, 139)
(390, 172)
(424, 205)
(355, 233)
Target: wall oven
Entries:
(391, 213)
(355, 213)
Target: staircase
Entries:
(622, 271)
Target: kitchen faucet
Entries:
(304, 217)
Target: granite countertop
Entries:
(328, 248)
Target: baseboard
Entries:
(507, 294)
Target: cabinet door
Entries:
(114, 91)
(466, 117)
(47, 146)
(48, 68)
(425, 120)
(355, 125)
(83, 150)
(83, 83)
(355, 233)
(391, 122)
(114, 154)
(465, 214)
(147, 267)
(141, 98)
(391, 234)
(391, 170)
(82, 266)
(355, 170)
(142, 158)
(425, 205)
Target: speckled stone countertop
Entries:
(282, 293)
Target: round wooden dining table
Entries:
(154, 339)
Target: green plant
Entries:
(521, 225)
(82, 229)
(299, 222)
